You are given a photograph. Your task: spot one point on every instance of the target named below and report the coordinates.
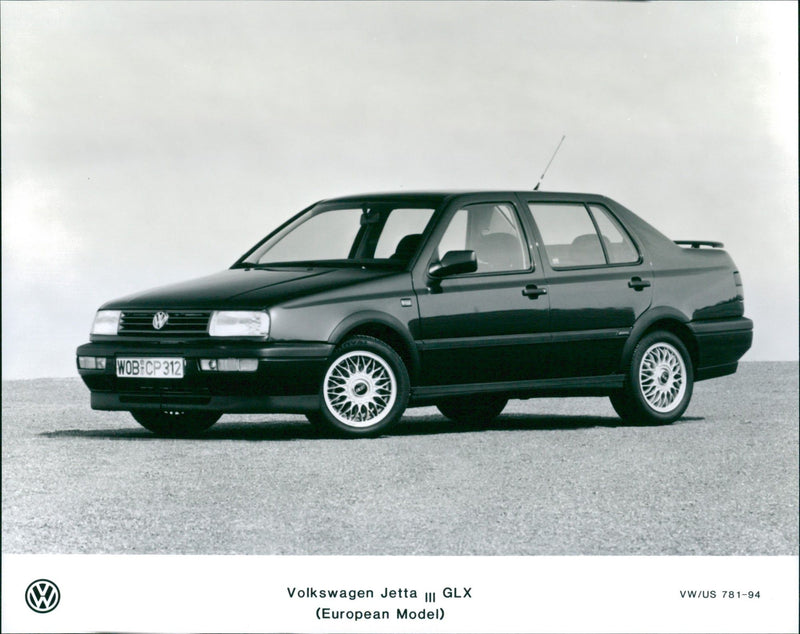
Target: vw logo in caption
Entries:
(42, 596)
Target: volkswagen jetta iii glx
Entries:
(361, 306)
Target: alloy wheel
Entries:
(360, 389)
(662, 377)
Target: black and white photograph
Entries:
(411, 312)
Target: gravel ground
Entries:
(550, 477)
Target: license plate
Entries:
(150, 368)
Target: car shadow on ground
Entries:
(408, 426)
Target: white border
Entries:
(163, 593)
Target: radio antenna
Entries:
(563, 136)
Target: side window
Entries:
(568, 232)
(493, 231)
(619, 246)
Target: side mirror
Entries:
(454, 263)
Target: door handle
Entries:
(637, 283)
(532, 291)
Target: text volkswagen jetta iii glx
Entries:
(361, 306)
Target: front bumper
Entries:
(286, 380)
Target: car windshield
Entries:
(342, 234)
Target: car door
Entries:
(491, 325)
(598, 282)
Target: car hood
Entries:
(246, 288)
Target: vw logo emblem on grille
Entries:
(42, 596)
(160, 320)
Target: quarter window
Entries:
(493, 231)
(570, 235)
(619, 247)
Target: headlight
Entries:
(239, 323)
(106, 322)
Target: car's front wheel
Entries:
(659, 383)
(175, 423)
(478, 408)
(365, 389)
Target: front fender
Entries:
(376, 323)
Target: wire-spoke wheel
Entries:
(662, 377)
(659, 382)
(365, 388)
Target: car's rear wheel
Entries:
(365, 389)
(478, 408)
(175, 423)
(659, 383)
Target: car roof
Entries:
(438, 196)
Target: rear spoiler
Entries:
(696, 244)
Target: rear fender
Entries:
(666, 315)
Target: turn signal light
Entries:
(92, 363)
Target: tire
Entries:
(659, 382)
(621, 404)
(316, 419)
(175, 424)
(365, 389)
(479, 408)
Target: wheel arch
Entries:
(387, 329)
(667, 319)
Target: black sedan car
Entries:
(361, 306)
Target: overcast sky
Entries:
(145, 143)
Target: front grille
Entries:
(180, 323)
